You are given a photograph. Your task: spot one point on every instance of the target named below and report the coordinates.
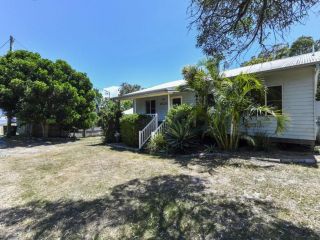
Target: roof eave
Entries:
(154, 93)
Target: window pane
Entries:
(147, 107)
(176, 101)
(274, 97)
(153, 107)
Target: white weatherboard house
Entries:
(291, 82)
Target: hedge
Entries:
(130, 125)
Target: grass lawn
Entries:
(85, 190)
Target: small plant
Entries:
(180, 136)
(157, 144)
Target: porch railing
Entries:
(146, 133)
(160, 130)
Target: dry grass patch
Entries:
(84, 189)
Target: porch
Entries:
(161, 104)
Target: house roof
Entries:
(280, 64)
(164, 87)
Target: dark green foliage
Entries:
(130, 125)
(157, 144)
(301, 45)
(126, 88)
(180, 136)
(182, 113)
(40, 91)
(110, 116)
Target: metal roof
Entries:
(296, 61)
(168, 86)
(280, 64)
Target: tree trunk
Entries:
(44, 127)
(84, 133)
(9, 121)
(30, 126)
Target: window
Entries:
(176, 101)
(151, 107)
(274, 97)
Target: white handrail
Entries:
(145, 133)
(161, 129)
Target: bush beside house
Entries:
(130, 125)
(110, 116)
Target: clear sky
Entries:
(143, 41)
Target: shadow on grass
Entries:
(165, 207)
(254, 159)
(27, 142)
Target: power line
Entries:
(22, 45)
(4, 44)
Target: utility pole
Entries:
(11, 43)
(9, 116)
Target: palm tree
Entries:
(201, 79)
(234, 103)
(233, 100)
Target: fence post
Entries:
(139, 139)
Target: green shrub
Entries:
(110, 120)
(180, 136)
(130, 125)
(181, 113)
(157, 144)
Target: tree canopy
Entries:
(302, 45)
(126, 88)
(41, 91)
(232, 26)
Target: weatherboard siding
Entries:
(162, 103)
(297, 103)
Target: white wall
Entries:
(162, 103)
(297, 102)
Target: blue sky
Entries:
(143, 42)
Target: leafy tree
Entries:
(109, 120)
(302, 45)
(15, 69)
(231, 27)
(40, 91)
(126, 88)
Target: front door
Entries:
(151, 107)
